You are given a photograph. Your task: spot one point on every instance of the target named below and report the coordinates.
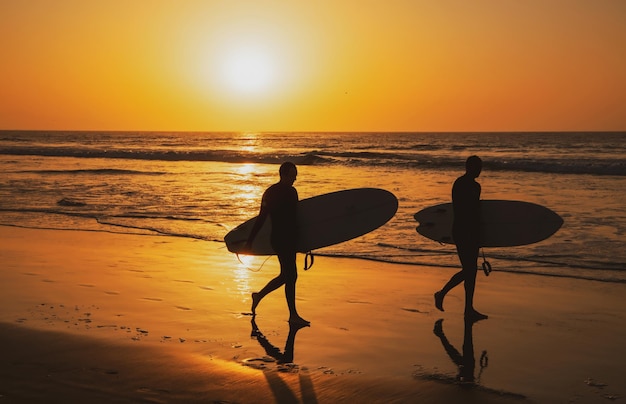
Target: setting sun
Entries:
(325, 66)
(248, 69)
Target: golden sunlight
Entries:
(250, 145)
(312, 66)
(246, 169)
(248, 69)
(245, 262)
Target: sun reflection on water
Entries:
(242, 274)
(249, 143)
(246, 169)
(248, 189)
(242, 277)
(245, 261)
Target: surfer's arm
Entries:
(258, 223)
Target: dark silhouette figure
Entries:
(286, 356)
(280, 202)
(282, 391)
(465, 361)
(466, 234)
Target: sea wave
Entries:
(403, 159)
(228, 156)
(97, 171)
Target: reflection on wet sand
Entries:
(465, 362)
(284, 360)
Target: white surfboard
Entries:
(503, 223)
(324, 220)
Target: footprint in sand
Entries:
(357, 302)
(152, 392)
(104, 371)
(412, 310)
(152, 299)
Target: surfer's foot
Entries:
(255, 329)
(438, 329)
(473, 315)
(299, 321)
(255, 302)
(439, 300)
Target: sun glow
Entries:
(248, 69)
(246, 169)
(312, 66)
(245, 262)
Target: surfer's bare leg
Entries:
(256, 298)
(439, 300)
(467, 275)
(290, 294)
(470, 285)
(469, 258)
(289, 272)
(267, 289)
(455, 280)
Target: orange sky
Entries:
(329, 65)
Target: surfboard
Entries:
(324, 220)
(503, 223)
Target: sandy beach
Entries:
(103, 317)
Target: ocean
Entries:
(201, 185)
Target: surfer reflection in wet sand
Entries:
(280, 202)
(281, 357)
(466, 235)
(465, 361)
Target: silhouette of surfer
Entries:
(279, 202)
(466, 234)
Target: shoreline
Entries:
(490, 256)
(108, 316)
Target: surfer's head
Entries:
(473, 166)
(288, 172)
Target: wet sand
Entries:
(103, 317)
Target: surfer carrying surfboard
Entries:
(279, 202)
(466, 235)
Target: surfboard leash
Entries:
(486, 264)
(308, 265)
(247, 267)
(309, 260)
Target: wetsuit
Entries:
(280, 202)
(466, 225)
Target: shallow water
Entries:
(202, 185)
